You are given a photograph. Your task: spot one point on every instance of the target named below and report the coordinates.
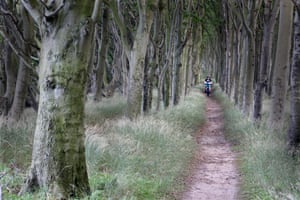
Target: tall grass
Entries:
(15, 152)
(140, 159)
(268, 172)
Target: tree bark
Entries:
(294, 130)
(101, 62)
(58, 160)
(11, 78)
(21, 90)
(270, 15)
(282, 64)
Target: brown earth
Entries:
(213, 173)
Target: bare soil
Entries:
(213, 172)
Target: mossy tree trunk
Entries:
(58, 159)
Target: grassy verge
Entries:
(140, 159)
(268, 172)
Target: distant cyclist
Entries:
(207, 85)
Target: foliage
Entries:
(267, 170)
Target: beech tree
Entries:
(270, 15)
(135, 47)
(58, 159)
(294, 130)
(282, 63)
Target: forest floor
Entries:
(213, 172)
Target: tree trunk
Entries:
(137, 60)
(21, 90)
(11, 79)
(251, 31)
(101, 62)
(58, 159)
(294, 130)
(270, 19)
(282, 64)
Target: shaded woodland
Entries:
(55, 54)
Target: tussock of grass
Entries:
(268, 172)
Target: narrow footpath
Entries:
(214, 174)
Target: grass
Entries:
(140, 159)
(268, 172)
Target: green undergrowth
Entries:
(139, 159)
(267, 171)
(16, 139)
(143, 159)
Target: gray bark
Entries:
(21, 90)
(294, 130)
(101, 62)
(282, 63)
(58, 159)
(270, 15)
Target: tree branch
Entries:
(297, 5)
(113, 6)
(96, 10)
(34, 13)
(24, 57)
(49, 14)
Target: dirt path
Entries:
(213, 172)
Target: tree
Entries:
(101, 61)
(135, 45)
(22, 83)
(270, 15)
(250, 27)
(282, 63)
(58, 159)
(294, 130)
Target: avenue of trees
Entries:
(56, 53)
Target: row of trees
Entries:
(56, 52)
(255, 57)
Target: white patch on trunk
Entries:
(58, 92)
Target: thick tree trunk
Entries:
(58, 160)
(282, 63)
(136, 75)
(137, 60)
(294, 131)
